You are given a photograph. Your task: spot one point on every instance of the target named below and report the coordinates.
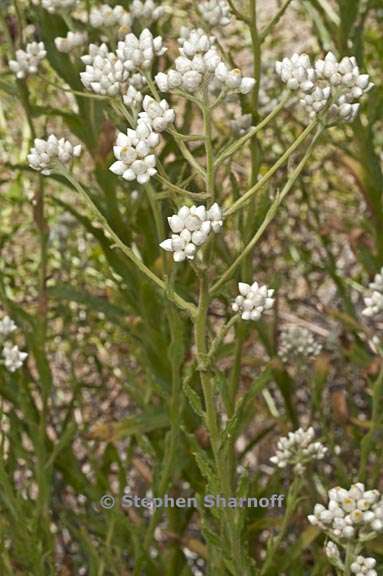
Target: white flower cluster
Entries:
(137, 53)
(338, 85)
(13, 357)
(200, 61)
(134, 150)
(28, 60)
(360, 565)
(253, 300)
(297, 449)
(364, 566)
(46, 153)
(215, 12)
(135, 160)
(71, 41)
(191, 228)
(354, 513)
(146, 9)
(374, 300)
(157, 114)
(53, 6)
(107, 16)
(296, 342)
(104, 73)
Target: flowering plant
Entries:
(190, 292)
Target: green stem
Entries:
(170, 293)
(250, 193)
(270, 214)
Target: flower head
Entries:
(253, 300)
(191, 228)
(297, 449)
(27, 61)
(46, 153)
(13, 357)
(7, 326)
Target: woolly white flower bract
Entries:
(104, 73)
(146, 9)
(45, 154)
(107, 16)
(71, 41)
(13, 357)
(28, 60)
(364, 566)
(297, 449)
(199, 61)
(374, 300)
(215, 12)
(356, 513)
(157, 114)
(133, 152)
(329, 83)
(253, 300)
(138, 53)
(191, 228)
(7, 326)
(296, 341)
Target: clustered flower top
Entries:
(109, 73)
(71, 41)
(45, 154)
(191, 227)
(108, 16)
(133, 150)
(12, 355)
(297, 449)
(200, 61)
(146, 9)
(296, 342)
(253, 300)
(28, 60)
(157, 114)
(328, 83)
(215, 12)
(356, 513)
(374, 299)
(364, 566)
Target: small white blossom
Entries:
(364, 566)
(253, 300)
(7, 326)
(133, 151)
(53, 6)
(199, 62)
(374, 298)
(13, 357)
(71, 41)
(215, 12)
(28, 60)
(356, 513)
(296, 341)
(157, 114)
(138, 53)
(105, 73)
(297, 449)
(133, 97)
(146, 9)
(338, 85)
(46, 153)
(191, 228)
(107, 16)
(332, 551)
